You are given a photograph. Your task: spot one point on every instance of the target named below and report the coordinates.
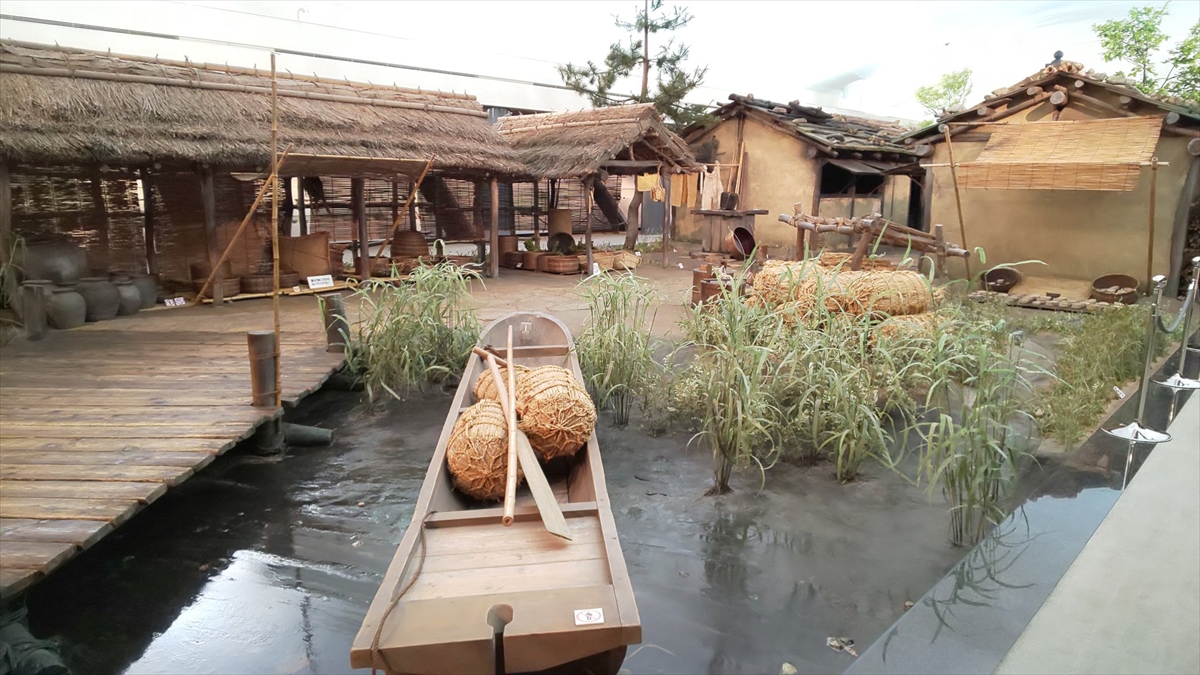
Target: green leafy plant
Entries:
(531, 244)
(415, 334)
(1137, 40)
(14, 250)
(614, 348)
(950, 93)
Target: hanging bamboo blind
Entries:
(1065, 155)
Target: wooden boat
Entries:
(466, 595)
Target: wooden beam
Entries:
(209, 197)
(494, 234)
(359, 208)
(148, 222)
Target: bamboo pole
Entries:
(962, 228)
(588, 231)
(510, 490)
(494, 235)
(275, 232)
(1150, 226)
(411, 195)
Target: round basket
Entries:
(409, 244)
(259, 283)
(485, 388)
(556, 412)
(1109, 287)
(561, 264)
(511, 258)
(626, 260)
(477, 452)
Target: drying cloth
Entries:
(647, 182)
(710, 192)
(678, 190)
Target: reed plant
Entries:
(614, 348)
(14, 250)
(411, 335)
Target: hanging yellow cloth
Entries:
(678, 190)
(647, 182)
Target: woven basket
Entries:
(605, 259)
(626, 260)
(409, 244)
(511, 258)
(561, 264)
(477, 452)
(556, 412)
(485, 388)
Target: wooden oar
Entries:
(510, 491)
(543, 496)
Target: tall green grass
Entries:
(415, 334)
(614, 348)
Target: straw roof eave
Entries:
(47, 118)
(580, 143)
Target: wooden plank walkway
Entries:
(98, 422)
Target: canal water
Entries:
(267, 565)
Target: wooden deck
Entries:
(97, 422)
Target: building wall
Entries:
(1079, 234)
(778, 172)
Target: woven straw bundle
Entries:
(780, 281)
(485, 388)
(828, 259)
(909, 326)
(892, 293)
(556, 412)
(477, 452)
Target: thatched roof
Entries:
(69, 106)
(832, 134)
(577, 144)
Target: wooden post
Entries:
(962, 228)
(587, 237)
(289, 207)
(359, 208)
(263, 371)
(337, 330)
(101, 218)
(275, 236)
(303, 210)
(477, 204)
(939, 237)
(412, 206)
(1150, 225)
(494, 254)
(668, 216)
(536, 207)
(148, 222)
(209, 197)
(395, 200)
(6, 226)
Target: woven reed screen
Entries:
(1065, 155)
(570, 196)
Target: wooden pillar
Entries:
(494, 235)
(208, 196)
(6, 222)
(101, 218)
(668, 218)
(412, 205)
(536, 207)
(300, 205)
(148, 222)
(590, 183)
(477, 205)
(359, 207)
(289, 207)
(395, 200)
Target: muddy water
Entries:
(267, 566)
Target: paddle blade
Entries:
(543, 496)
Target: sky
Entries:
(852, 55)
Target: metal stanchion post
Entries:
(1178, 382)
(1137, 431)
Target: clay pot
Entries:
(131, 297)
(147, 286)
(102, 298)
(507, 243)
(65, 308)
(60, 263)
(530, 260)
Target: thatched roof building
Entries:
(618, 139)
(61, 106)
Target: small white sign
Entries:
(321, 281)
(1120, 394)
(638, 253)
(174, 302)
(595, 269)
(296, 289)
(587, 617)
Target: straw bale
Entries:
(178, 119)
(485, 386)
(556, 412)
(921, 325)
(829, 259)
(477, 452)
(578, 143)
(891, 293)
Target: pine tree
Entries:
(672, 80)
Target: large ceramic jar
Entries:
(65, 308)
(147, 286)
(60, 263)
(102, 298)
(131, 297)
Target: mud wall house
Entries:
(833, 165)
(1054, 168)
(562, 150)
(151, 165)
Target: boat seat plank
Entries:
(81, 533)
(510, 578)
(527, 537)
